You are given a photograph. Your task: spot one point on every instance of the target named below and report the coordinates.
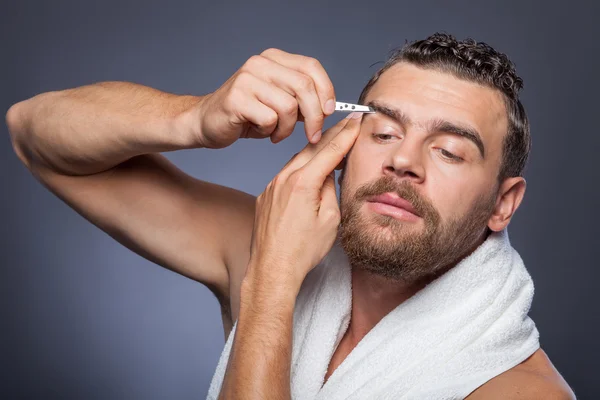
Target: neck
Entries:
(374, 296)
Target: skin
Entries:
(298, 211)
(413, 152)
(96, 147)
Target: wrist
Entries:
(186, 124)
(264, 306)
(262, 285)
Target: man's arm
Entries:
(90, 129)
(259, 363)
(96, 147)
(296, 222)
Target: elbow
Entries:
(17, 132)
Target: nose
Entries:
(405, 161)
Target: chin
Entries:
(387, 230)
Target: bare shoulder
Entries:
(534, 378)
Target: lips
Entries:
(394, 200)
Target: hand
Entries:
(297, 216)
(265, 98)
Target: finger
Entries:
(292, 160)
(297, 84)
(328, 184)
(309, 151)
(325, 161)
(263, 119)
(329, 201)
(284, 104)
(303, 88)
(341, 165)
(311, 67)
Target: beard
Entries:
(395, 249)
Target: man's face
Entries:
(411, 153)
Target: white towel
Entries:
(461, 330)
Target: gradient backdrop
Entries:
(84, 318)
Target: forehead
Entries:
(427, 94)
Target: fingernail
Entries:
(317, 136)
(356, 115)
(351, 115)
(330, 106)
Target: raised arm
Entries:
(96, 147)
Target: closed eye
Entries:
(449, 155)
(386, 137)
(383, 136)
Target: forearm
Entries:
(93, 128)
(259, 365)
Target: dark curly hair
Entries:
(480, 63)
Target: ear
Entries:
(510, 195)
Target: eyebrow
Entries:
(438, 125)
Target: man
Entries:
(430, 176)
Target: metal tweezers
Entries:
(349, 107)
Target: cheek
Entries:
(451, 199)
(454, 187)
(364, 162)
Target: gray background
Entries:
(83, 317)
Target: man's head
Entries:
(450, 137)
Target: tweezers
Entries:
(349, 107)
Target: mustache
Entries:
(404, 189)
